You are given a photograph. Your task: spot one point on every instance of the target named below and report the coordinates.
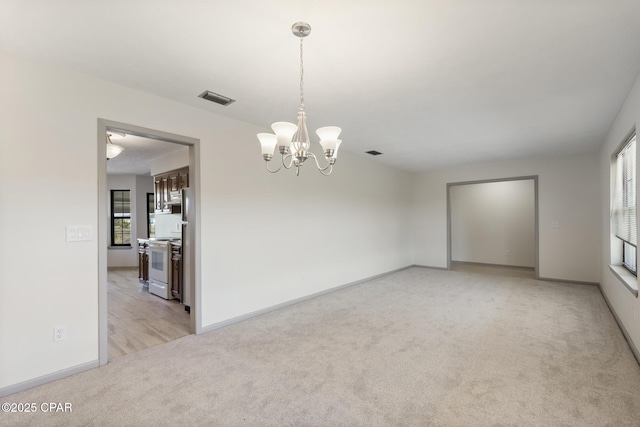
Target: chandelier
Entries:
(293, 141)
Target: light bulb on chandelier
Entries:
(293, 141)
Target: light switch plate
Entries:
(79, 233)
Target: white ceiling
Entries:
(430, 83)
(137, 155)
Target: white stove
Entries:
(160, 267)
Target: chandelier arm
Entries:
(327, 173)
(279, 167)
(313, 156)
(284, 158)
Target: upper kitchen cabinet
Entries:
(161, 190)
(167, 183)
(178, 179)
(184, 178)
(174, 181)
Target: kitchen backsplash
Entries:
(168, 225)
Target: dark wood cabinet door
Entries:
(176, 271)
(143, 263)
(140, 263)
(174, 182)
(145, 269)
(165, 194)
(184, 179)
(159, 194)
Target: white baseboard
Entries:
(6, 391)
(430, 266)
(575, 282)
(489, 264)
(260, 312)
(634, 350)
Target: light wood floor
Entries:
(138, 319)
(495, 270)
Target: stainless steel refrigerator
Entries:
(187, 248)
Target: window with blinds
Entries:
(120, 218)
(624, 209)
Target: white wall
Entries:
(623, 302)
(286, 237)
(493, 223)
(144, 185)
(566, 195)
(170, 162)
(265, 239)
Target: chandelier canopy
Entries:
(293, 140)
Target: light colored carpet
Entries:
(494, 270)
(418, 347)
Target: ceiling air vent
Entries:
(217, 98)
(373, 152)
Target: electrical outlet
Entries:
(59, 333)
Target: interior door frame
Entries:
(485, 181)
(103, 229)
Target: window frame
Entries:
(632, 265)
(625, 190)
(623, 220)
(112, 224)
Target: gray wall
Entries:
(493, 223)
(567, 194)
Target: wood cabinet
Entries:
(143, 262)
(174, 183)
(183, 178)
(161, 192)
(178, 180)
(176, 270)
(165, 184)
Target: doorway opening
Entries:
(493, 224)
(136, 309)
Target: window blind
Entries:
(625, 194)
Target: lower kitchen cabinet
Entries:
(143, 262)
(176, 271)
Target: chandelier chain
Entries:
(301, 76)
